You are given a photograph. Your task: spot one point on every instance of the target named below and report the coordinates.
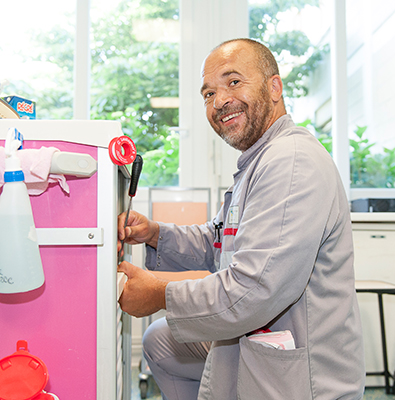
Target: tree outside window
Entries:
(135, 51)
(134, 76)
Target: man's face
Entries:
(238, 103)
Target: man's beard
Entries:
(257, 119)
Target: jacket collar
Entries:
(279, 125)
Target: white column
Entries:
(204, 25)
(82, 61)
(339, 92)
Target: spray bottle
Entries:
(20, 262)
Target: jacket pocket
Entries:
(271, 374)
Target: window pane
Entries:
(371, 62)
(295, 32)
(36, 52)
(135, 78)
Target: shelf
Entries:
(373, 217)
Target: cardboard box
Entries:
(24, 107)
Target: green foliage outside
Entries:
(290, 45)
(127, 72)
(52, 91)
(367, 168)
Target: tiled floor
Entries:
(153, 392)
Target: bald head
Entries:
(264, 58)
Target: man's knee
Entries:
(155, 338)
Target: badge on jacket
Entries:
(233, 215)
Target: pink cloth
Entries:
(36, 164)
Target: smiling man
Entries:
(241, 106)
(279, 253)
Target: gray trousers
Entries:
(176, 367)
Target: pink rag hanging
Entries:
(36, 165)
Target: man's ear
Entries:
(275, 86)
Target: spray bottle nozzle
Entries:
(13, 142)
(13, 169)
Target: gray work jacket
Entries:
(284, 260)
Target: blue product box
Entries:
(24, 107)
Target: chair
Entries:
(380, 288)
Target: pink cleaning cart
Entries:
(73, 322)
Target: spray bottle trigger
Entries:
(13, 142)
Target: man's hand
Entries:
(139, 229)
(143, 293)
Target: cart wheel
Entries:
(143, 389)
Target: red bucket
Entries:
(23, 376)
